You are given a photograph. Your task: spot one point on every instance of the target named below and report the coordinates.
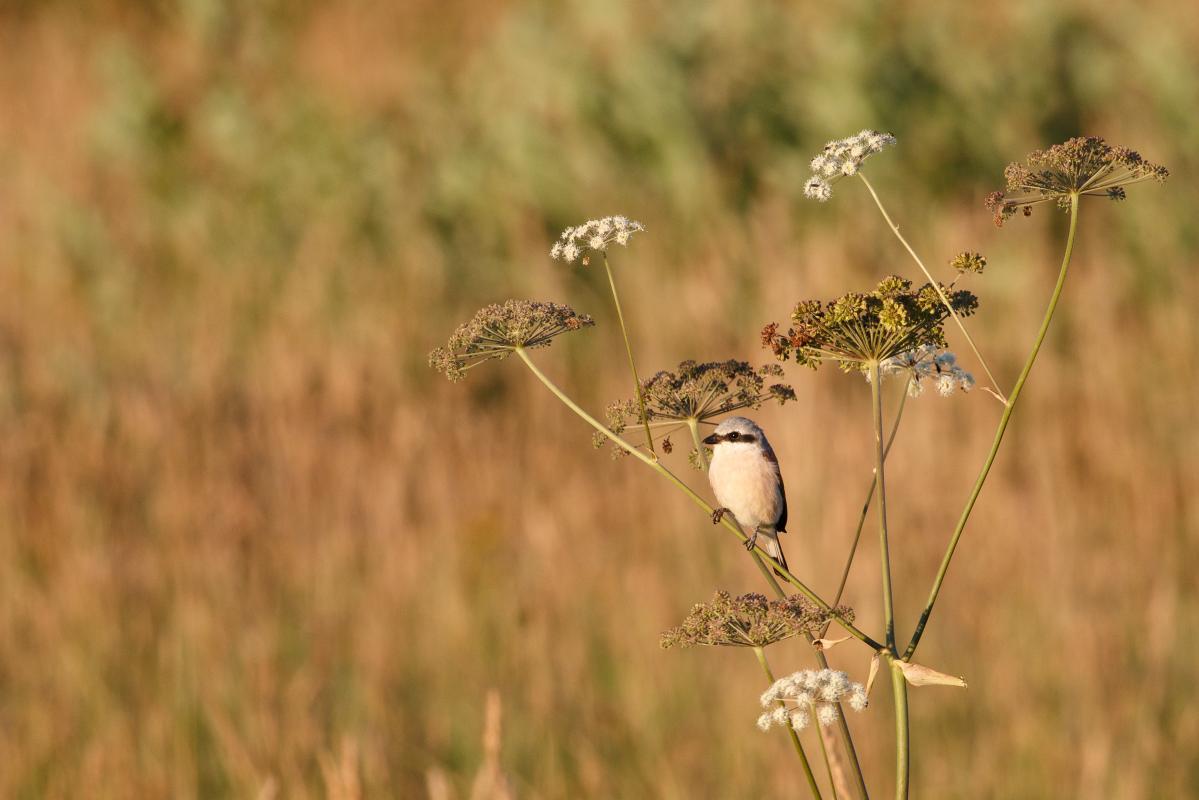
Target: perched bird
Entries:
(745, 477)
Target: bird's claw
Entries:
(752, 541)
(718, 515)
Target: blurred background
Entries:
(251, 546)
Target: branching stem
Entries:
(933, 281)
(999, 431)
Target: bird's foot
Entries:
(752, 541)
(718, 515)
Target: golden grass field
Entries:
(251, 546)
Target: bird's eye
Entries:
(734, 436)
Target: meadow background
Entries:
(251, 546)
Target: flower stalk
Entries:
(996, 391)
(628, 348)
(795, 743)
(1004, 420)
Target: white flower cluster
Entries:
(594, 234)
(928, 363)
(841, 158)
(800, 696)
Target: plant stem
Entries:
(695, 498)
(880, 480)
(628, 348)
(803, 758)
(693, 426)
(899, 688)
(828, 765)
(857, 535)
(1003, 423)
(935, 285)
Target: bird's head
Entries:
(737, 431)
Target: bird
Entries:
(745, 477)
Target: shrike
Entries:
(745, 477)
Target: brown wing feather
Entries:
(781, 525)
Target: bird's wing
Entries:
(781, 525)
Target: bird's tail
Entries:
(772, 546)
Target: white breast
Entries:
(747, 484)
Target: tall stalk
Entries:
(857, 534)
(999, 431)
(899, 689)
(655, 465)
(880, 480)
(933, 281)
(795, 743)
(898, 685)
(628, 348)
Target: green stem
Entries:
(899, 688)
(880, 480)
(828, 765)
(935, 285)
(728, 523)
(628, 348)
(693, 426)
(857, 534)
(1003, 423)
(803, 758)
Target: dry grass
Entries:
(251, 546)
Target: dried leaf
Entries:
(920, 675)
(825, 644)
(873, 673)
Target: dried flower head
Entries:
(593, 235)
(497, 330)
(748, 621)
(807, 693)
(700, 392)
(966, 261)
(859, 328)
(842, 158)
(1084, 166)
(927, 363)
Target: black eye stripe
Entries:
(738, 437)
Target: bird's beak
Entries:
(713, 439)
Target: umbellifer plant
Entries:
(896, 329)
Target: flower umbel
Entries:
(497, 330)
(594, 235)
(927, 362)
(842, 158)
(859, 328)
(966, 261)
(807, 693)
(700, 392)
(1084, 165)
(749, 620)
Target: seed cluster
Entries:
(859, 328)
(1085, 166)
(698, 391)
(749, 620)
(496, 330)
